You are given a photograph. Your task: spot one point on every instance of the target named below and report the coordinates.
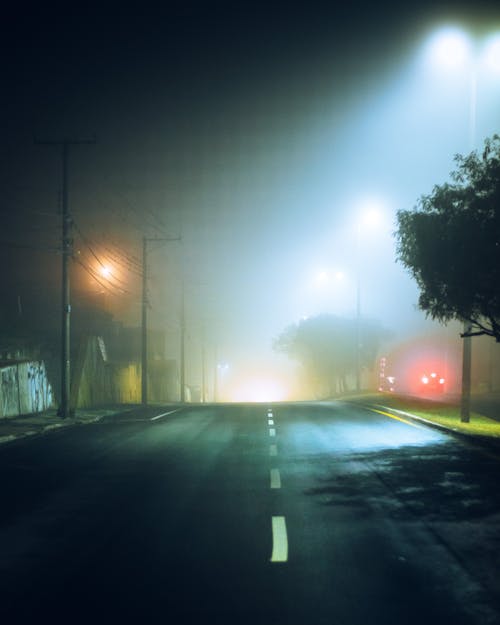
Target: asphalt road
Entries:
(299, 514)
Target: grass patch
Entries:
(444, 414)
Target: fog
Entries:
(261, 147)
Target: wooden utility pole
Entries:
(145, 305)
(144, 331)
(203, 369)
(182, 347)
(67, 252)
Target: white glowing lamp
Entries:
(492, 54)
(450, 48)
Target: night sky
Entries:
(253, 131)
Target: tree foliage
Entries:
(326, 347)
(450, 243)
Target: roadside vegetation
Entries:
(441, 413)
(449, 243)
(325, 346)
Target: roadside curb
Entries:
(38, 429)
(13, 437)
(44, 429)
(9, 438)
(414, 417)
(20, 427)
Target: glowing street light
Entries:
(454, 50)
(492, 54)
(322, 277)
(370, 215)
(450, 48)
(369, 219)
(325, 277)
(326, 287)
(106, 271)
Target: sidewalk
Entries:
(29, 425)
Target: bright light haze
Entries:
(263, 137)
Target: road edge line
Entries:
(164, 414)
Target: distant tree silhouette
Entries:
(326, 347)
(450, 243)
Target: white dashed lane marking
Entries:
(280, 539)
(278, 523)
(275, 478)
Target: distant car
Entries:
(432, 383)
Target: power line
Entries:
(137, 213)
(110, 277)
(96, 257)
(126, 267)
(107, 287)
(124, 261)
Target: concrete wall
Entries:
(91, 376)
(128, 383)
(24, 388)
(96, 381)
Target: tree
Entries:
(450, 243)
(326, 347)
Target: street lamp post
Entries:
(370, 217)
(182, 346)
(467, 340)
(357, 355)
(454, 48)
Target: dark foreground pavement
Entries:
(290, 514)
